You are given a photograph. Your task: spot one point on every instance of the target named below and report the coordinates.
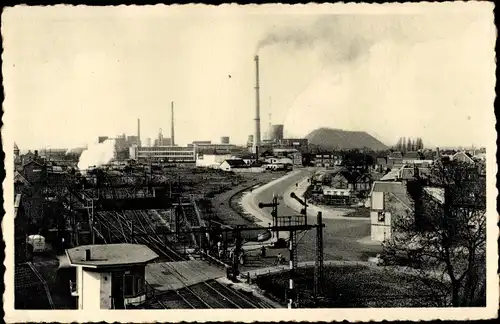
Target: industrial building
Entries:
(276, 133)
(211, 160)
(172, 154)
(301, 144)
(200, 143)
(214, 148)
(162, 141)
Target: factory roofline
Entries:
(111, 255)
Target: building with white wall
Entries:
(387, 200)
(168, 154)
(211, 160)
(109, 276)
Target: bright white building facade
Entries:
(211, 160)
(172, 154)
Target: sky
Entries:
(72, 74)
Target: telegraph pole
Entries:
(318, 264)
(291, 247)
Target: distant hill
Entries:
(337, 139)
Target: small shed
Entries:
(109, 276)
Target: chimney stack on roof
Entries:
(87, 255)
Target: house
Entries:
(406, 172)
(395, 155)
(480, 157)
(411, 156)
(279, 160)
(328, 160)
(231, 164)
(409, 172)
(337, 196)
(32, 171)
(19, 179)
(353, 180)
(248, 158)
(463, 157)
(381, 164)
(392, 175)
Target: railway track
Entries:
(204, 295)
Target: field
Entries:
(351, 286)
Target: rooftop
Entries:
(395, 155)
(437, 193)
(109, 255)
(412, 155)
(236, 163)
(394, 187)
(391, 175)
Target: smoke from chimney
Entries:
(172, 125)
(256, 141)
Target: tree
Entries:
(403, 145)
(408, 145)
(442, 239)
(420, 144)
(355, 159)
(399, 144)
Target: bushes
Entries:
(350, 286)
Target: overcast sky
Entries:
(74, 73)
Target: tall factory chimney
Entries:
(172, 140)
(256, 142)
(138, 132)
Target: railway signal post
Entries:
(274, 212)
(303, 203)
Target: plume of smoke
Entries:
(346, 38)
(97, 154)
(74, 150)
(332, 35)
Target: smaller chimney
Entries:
(87, 254)
(138, 132)
(172, 138)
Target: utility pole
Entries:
(318, 264)
(90, 210)
(291, 247)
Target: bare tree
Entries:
(442, 237)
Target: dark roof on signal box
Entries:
(111, 255)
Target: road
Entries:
(340, 237)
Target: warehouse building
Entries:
(172, 154)
(211, 160)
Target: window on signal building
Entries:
(381, 216)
